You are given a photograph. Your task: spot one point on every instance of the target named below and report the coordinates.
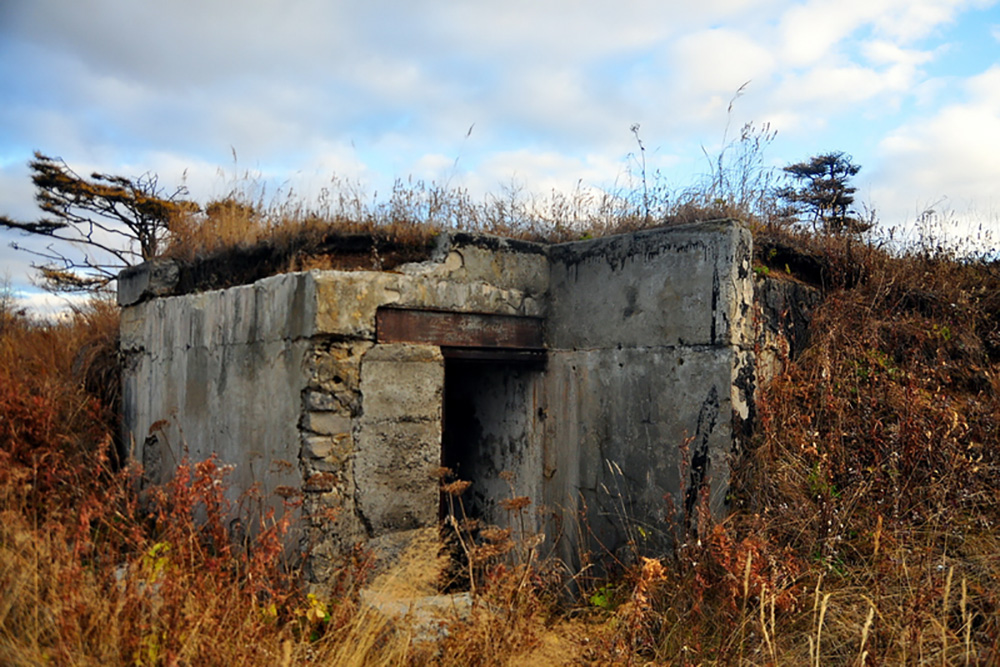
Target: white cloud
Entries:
(719, 60)
(15, 265)
(914, 19)
(812, 31)
(558, 101)
(187, 43)
(434, 167)
(582, 30)
(543, 171)
(46, 305)
(884, 52)
(836, 88)
(18, 191)
(985, 88)
(257, 130)
(951, 153)
(392, 80)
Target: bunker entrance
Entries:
(488, 416)
(486, 440)
(491, 363)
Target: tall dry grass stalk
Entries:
(739, 186)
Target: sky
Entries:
(300, 91)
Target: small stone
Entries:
(317, 447)
(323, 465)
(336, 370)
(320, 482)
(327, 423)
(320, 401)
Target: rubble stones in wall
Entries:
(326, 453)
(330, 401)
(334, 371)
(331, 523)
(324, 551)
(319, 400)
(326, 423)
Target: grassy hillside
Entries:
(864, 515)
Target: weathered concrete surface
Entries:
(479, 258)
(219, 373)
(348, 300)
(650, 366)
(783, 310)
(687, 285)
(399, 437)
(631, 446)
(509, 272)
(155, 278)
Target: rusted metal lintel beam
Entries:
(459, 330)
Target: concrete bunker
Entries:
(608, 377)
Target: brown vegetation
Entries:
(345, 230)
(863, 517)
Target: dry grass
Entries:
(865, 513)
(864, 517)
(254, 233)
(863, 528)
(415, 211)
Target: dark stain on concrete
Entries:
(700, 461)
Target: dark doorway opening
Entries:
(488, 413)
(462, 430)
(488, 429)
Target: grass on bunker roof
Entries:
(246, 236)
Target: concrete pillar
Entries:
(399, 437)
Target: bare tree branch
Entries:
(91, 213)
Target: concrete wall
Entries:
(284, 380)
(219, 373)
(399, 437)
(649, 334)
(648, 371)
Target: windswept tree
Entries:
(823, 194)
(113, 221)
